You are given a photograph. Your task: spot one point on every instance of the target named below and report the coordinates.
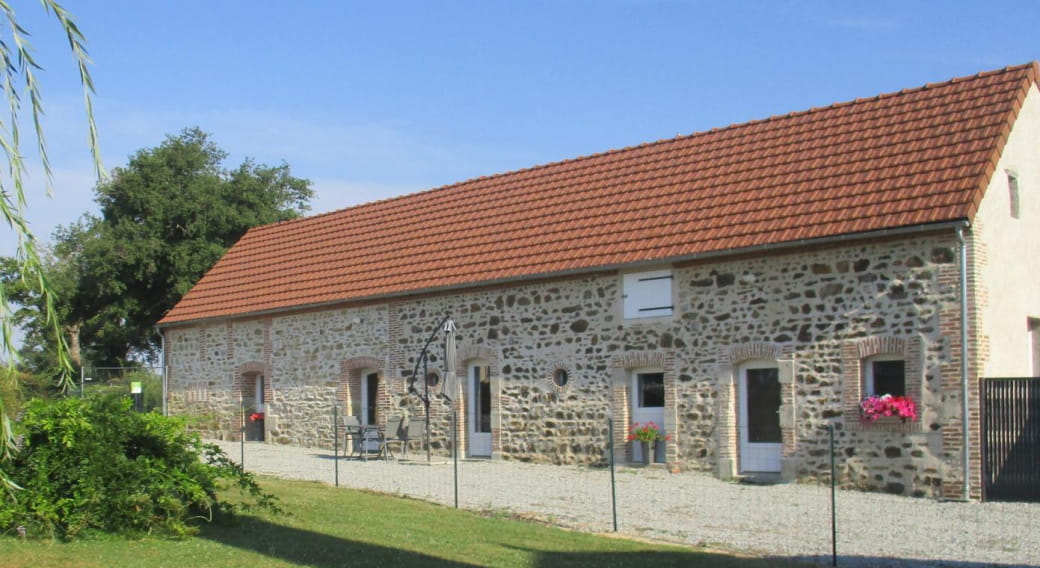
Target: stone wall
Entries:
(814, 311)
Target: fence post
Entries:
(455, 452)
(834, 514)
(335, 441)
(613, 484)
(242, 432)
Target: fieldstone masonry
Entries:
(818, 313)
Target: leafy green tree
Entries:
(40, 343)
(18, 69)
(166, 218)
(76, 315)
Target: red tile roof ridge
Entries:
(886, 95)
(660, 142)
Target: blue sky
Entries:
(371, 100)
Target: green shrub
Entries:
(16, 387)
(95, 465)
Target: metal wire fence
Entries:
(812, 522)
(143, 383)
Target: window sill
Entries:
(886, 420)
(649, 320)
(886, 424)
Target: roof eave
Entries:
(758, 249)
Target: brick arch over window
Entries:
(880, 345)
(854, 352)
(468, 353)
(621, 399)
(349, 386)
(727, 436)
(640, 360)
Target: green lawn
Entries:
(327, 527)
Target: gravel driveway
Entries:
(787, 520)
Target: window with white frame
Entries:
(647, 294)
(650, 390)
(884, 374)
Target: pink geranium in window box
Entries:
(902, 407)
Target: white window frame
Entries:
(868, 372)
(480, 443)
(637, 392)
(648, 294)
(258, 393)
(756, 456)
(364, 415)
(644, 414)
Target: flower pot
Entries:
(255, 430)
(647, 449)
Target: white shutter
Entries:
(648, 294)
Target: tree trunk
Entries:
(74, 347)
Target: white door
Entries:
(478, 397)
(648, 406)
(255, 430)
(369, 399)
(760, 442)
(258, 395)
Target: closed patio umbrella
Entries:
(449, 386)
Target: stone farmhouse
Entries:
(744, 288)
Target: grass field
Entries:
(327, 527)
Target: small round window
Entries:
(433, 379)
(560, 377)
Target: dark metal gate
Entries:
(1011, 439)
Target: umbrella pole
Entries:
(422, 362)
(426, 403)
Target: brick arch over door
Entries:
(349, 389)
(727, 416)
(621, 400)
(467, 353)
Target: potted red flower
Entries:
(884, 406)
(253, 426)
(647, 435)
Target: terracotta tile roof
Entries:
(914, 157)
